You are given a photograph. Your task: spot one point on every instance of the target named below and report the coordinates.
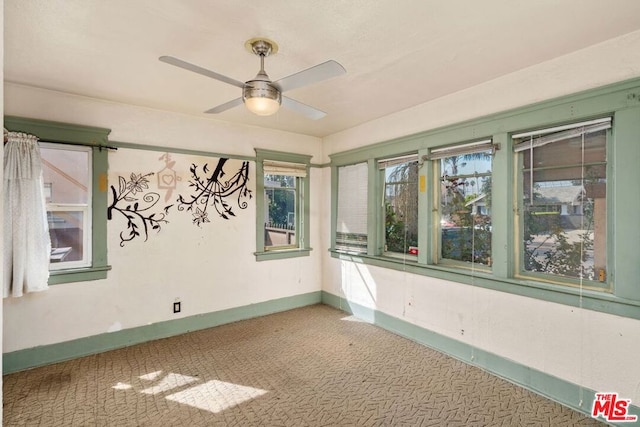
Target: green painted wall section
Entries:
(564, 392)
(48, 354)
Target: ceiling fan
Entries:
(261, 95)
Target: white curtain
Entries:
(27, 245)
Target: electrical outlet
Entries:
(176, 307)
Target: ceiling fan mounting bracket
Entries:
(261, 46)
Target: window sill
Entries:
(282, 254)
(568, 295)
(58, 277)
(400, 257)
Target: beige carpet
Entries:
(314, 366)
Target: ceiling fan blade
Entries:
(196, 69)
(315, 74)
(224, 107)
(304, 109)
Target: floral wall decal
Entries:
(138, 199)
(214, 190)
(135, 204)
(167, 177)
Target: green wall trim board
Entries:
(47, 354)
(179, 150)
(564, 392)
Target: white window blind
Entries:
(383, 164)
(470, 148)
(538, 138)
(272, 167)
(351, 230)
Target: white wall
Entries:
(209, 268)
(592, 349)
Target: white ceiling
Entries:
(397, 53)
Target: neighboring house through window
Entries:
(563, 201)
(67, 185)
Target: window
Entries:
(75, 185)
(281, 195)
(400, 205)
(553, 217)
(67, 185)
(563, 201)
(351, 226)
(464, 201)
(282, 208)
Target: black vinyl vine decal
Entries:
(138, 205)
(134, 204)
(214, 191)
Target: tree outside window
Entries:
(401, 207)
(465, 208)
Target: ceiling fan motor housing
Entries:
(261, 89)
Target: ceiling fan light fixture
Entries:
(261, 98)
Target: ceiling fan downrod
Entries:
(259, 94)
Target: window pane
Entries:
(67, 188)
(351, 227)
(401, 208)
(66, 229)
(280, 203)
(564, 199)
(465, 208)
(66, 175)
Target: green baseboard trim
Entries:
(47, 354)
(564, 392)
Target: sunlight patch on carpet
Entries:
(354, 319)
(216, 396)
(169, 382)
(150, 376)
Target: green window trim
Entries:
(620, 101)
(282, 254)
(303, 217)
(97, 139)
